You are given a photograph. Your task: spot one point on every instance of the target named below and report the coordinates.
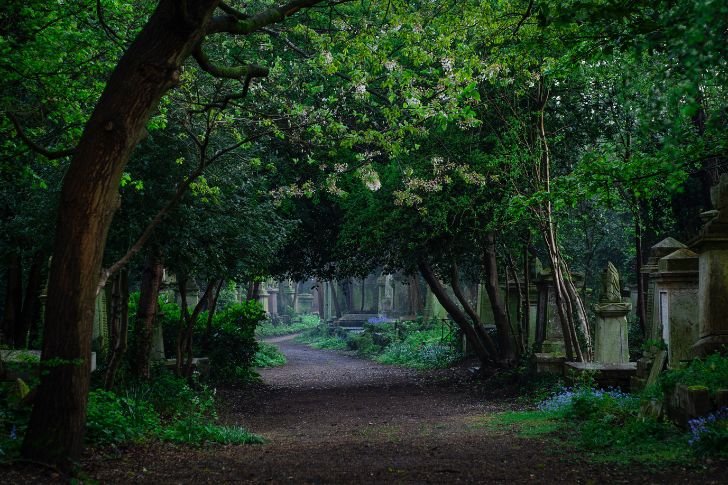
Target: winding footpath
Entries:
(333, 418)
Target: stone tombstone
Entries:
(304, 303)
(433, 308)
(649, 273)
(712, 245)
(548, 332)
(676, 289)
(611, 344)
(157, 350)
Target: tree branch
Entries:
(49, 154)
(233, 24)
(238, 72)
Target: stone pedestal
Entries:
(273, 301)
(263, 298)
(712, 244)
(611, 344)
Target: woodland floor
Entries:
(333, 418)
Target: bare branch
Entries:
(49, 154)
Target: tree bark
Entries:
(31, 302)
(147, 312)
(211, 309)
(119, 325)
(485, 354)
(492, 287)
(13, 299)
(89, 197)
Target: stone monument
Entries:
(712, 246)
(611, 344)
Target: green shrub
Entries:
(711, 372)
(13, 419)
(268, 355)
(232, 343)
(113, 419)
(324, 337)
(269, 329)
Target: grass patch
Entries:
(528, 424)
(272, 329)
(318, 341)
(636, 441)
(268, 355)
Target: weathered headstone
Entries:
(712, 245)
(676, 288)
(649, 274)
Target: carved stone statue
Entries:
(611, 290)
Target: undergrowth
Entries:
(270, 328)
(416, 344)
(268, 355)
(607, 424)
(166, 408)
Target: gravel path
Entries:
(334, 418)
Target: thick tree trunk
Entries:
(31, 302)
(484, 349)
(89, 197)
(13, 299)
(119, 325)
(211, 309)
(147, 312)
(492, 287)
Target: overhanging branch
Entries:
(233, 24)
(49, 154)
(228, 72)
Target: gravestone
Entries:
(676, 288)
(712, 245)
(304, 304)
(649, 273)
(611, 345)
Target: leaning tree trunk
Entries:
(147, 312)
(482, 344)
(89, 197)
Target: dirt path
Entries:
(334, 418)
